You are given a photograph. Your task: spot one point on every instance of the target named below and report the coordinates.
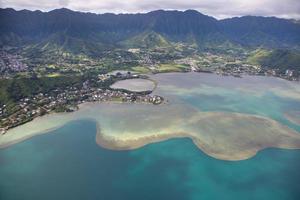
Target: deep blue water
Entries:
(68, 164)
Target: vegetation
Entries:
(280, 58)
(146, 40)
(12, 90)
(53, 65)
(163, 68)
(90, 34)
(141, 69)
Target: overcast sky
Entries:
(216, 8)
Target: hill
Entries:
(279, 58)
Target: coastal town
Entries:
(156, 60)
(68, 99)
(10, 63)
(96, 77)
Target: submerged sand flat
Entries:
(223, 135)
(293, 116)
(228, 136)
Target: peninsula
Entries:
(68, 99)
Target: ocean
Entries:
(67, 163)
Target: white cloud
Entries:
(63, 3)
(216, 8)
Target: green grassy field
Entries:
(141, 69)
(163, 68)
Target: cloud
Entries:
(63, 3)
(216, 8)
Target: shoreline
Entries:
(142, 97)
(153, 87)
(20, 138)
(131, 142)
(4, 130)
(26, 137)
(222, 135)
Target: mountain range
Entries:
(75, 31)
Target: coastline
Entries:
(119, 95)
(146, 87)
(288, 139)
(11, 137)
(4, 130)
(26, 137)
(222, 135)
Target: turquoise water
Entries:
(268, 105)
(69, 165)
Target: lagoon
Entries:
(226, 117)
(189, 144)
(135, 85)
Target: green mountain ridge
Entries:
(65, 37)
(146, 40)
(278, 58)
(174, 26)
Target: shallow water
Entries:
(135, 85)
(68, 164)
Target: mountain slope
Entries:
(146, 40)
(97, 31)
(262, 31)
(279, 58)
